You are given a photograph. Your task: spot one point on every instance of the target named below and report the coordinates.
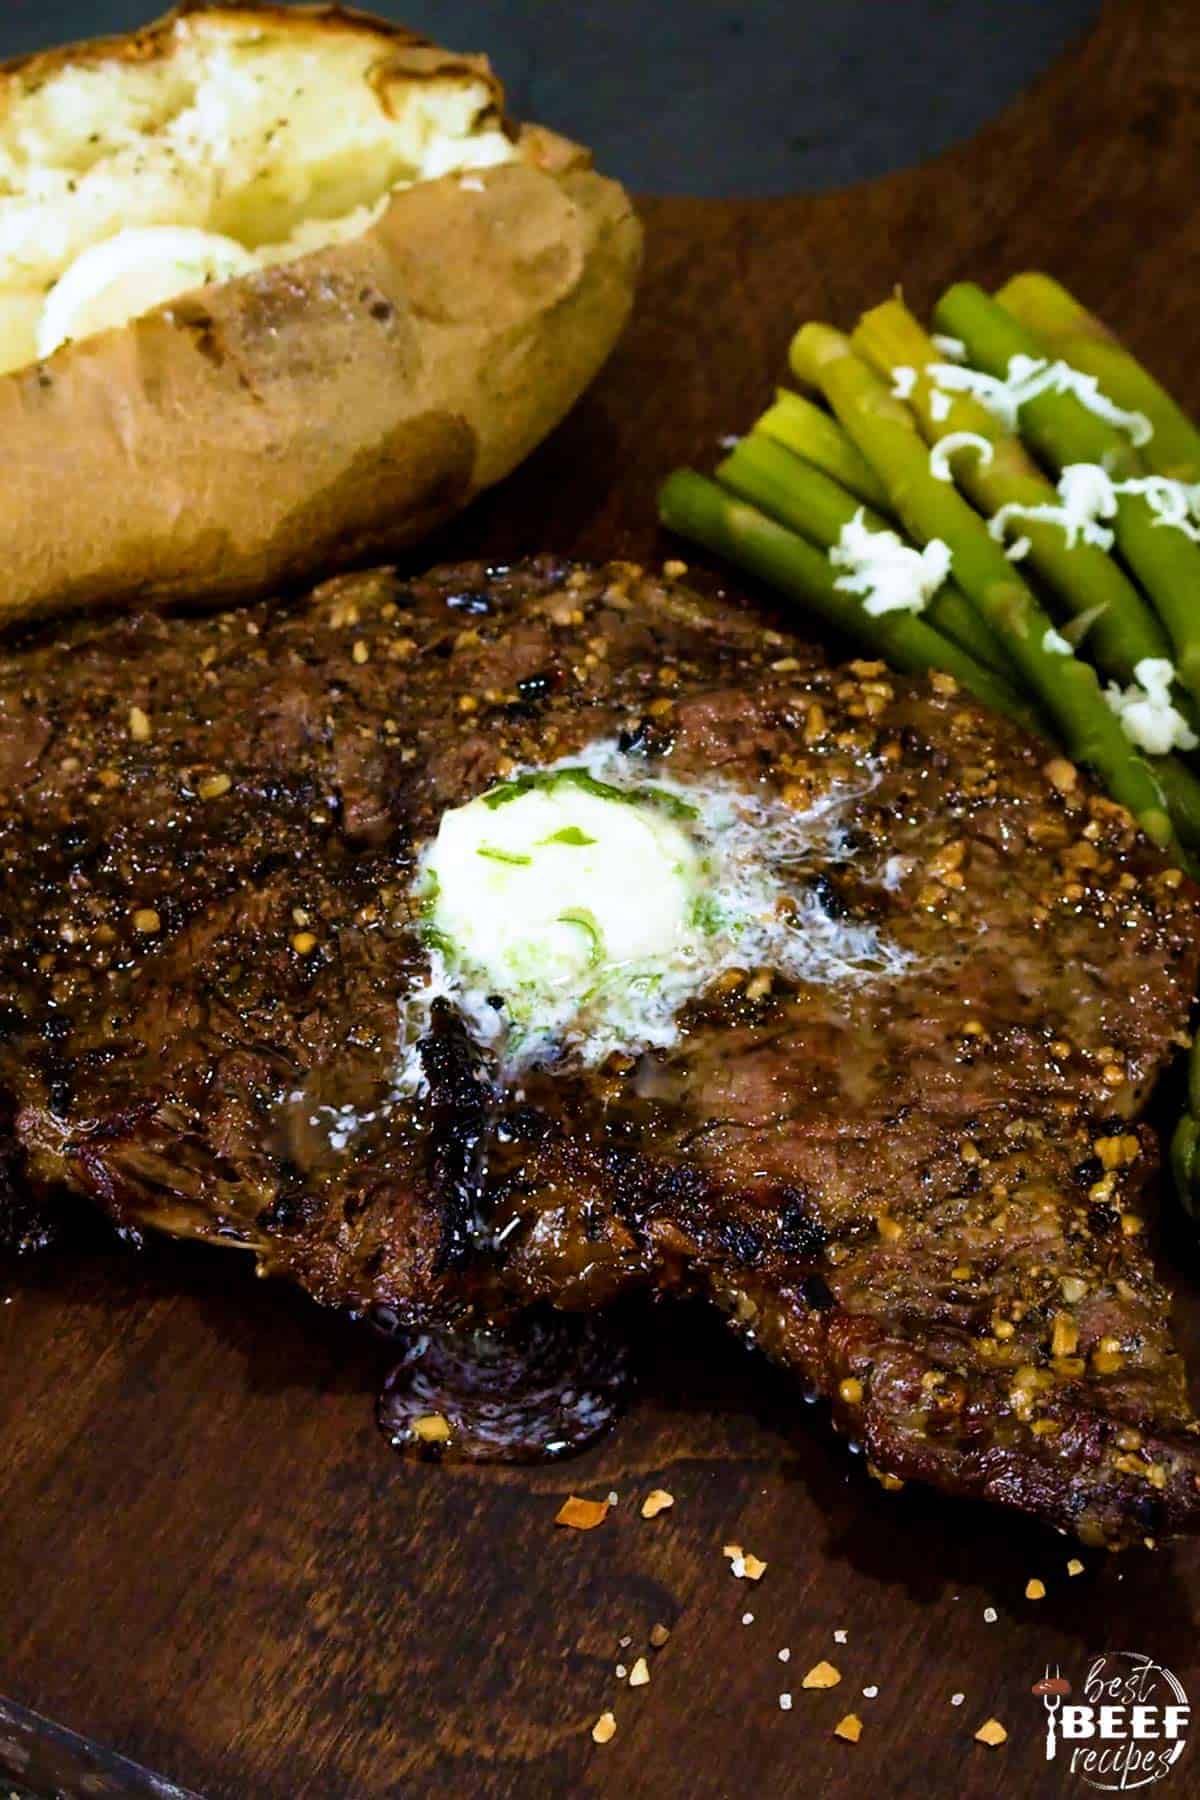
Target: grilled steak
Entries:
(922, 1187)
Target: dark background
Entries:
(709, 96)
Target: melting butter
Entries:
(575, 910)
(543, 882)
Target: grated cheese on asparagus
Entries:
(1148, 717)
(1055, 644)
(904, 382)
(1087, 495)
(952, 348)
(1029, 376)
(1173, 503)
(889, 574)
(948, 446)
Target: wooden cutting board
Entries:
(209, 1558)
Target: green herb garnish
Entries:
(503, 856)
(587, 784)
(586, 921)
(570, 834)
(429, 893)
(707, 914)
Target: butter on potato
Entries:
(279, 289)
(280, 137)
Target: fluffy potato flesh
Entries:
(279, 137)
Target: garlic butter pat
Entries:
(130, 274)
(557, 879)
(576, 911)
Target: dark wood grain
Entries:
(209, 1558)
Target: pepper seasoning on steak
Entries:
(922, 1189)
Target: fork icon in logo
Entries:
(1050, 1689)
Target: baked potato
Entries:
(280, 289)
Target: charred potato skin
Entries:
(325, 410)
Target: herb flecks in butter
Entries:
(570, 834)
(575, 911)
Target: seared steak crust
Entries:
(924, 1190)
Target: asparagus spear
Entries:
(1043, 306)
(700, 510)
(1066, 686)
(801, 497)
(1185, 1144)
(1062, 430)
(1182, 790)
(798, 425)
(1185, 1164)
(1085, 578)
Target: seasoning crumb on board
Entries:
(1074, 1567)
(849, 1728)
(1035, 1589)
(655, 1502)
(991, 1733)
(581, 1515)
(822, 1675)
(743, 1563)
(785, 1703)
(639, 1675)
(605, 1728)
(659, 1635)
(990, 1615)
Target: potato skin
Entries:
(321, 411)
